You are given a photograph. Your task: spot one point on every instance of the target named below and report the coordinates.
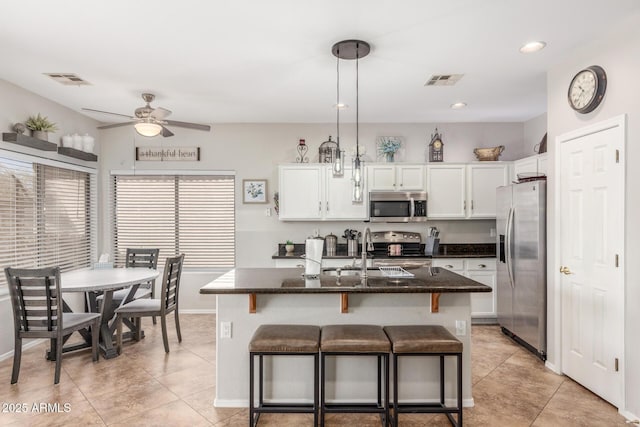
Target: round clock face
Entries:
(437, 144)
(587, 89)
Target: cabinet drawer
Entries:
(449, 263)
(481, 264)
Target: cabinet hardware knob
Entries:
(565, 270)
(449, 266)
(482, 265)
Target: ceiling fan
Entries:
(149, 121)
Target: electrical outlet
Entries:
(225, 329)
(461, 328)
(267, 212)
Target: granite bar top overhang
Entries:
(291, 281)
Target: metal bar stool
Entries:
(425, 340)
(282, 340)
(356, 340)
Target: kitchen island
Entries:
(249, 297)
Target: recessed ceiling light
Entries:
(340, 106)
(532, 47)
(458, 105)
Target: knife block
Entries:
(431, 246)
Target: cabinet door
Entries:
(542, 164)
(446, 191)
(483, 181)
(526, 165)
(410, 178)
(339, 194)
(300, 192)
(453, 264)
(381, 177)
(483, 304)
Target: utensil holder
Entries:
(352, 247)
(431, 246)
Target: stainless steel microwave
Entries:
(397, 206)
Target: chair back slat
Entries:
(34, 298)
(171, 282)
(142, 258)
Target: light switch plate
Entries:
(225, 329)
(461, 328)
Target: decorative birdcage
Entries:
(327, 151)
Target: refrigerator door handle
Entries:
(508, 237)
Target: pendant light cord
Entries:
(357, 101)
(338, 102)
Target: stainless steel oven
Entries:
(397, 206)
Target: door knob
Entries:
(565, 270)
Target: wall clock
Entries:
(587, 89)
(436, 148)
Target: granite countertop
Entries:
(445, 250)
(290, 281)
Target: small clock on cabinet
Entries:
(436, 148)
(587, 89)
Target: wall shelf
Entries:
(82, 155)
(28, 141)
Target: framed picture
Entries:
(254, 191)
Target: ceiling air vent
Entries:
(443, 79)
(68, 79)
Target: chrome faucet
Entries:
(367, 245)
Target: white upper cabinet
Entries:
(311, 193)
(482, 181)
(446, 195)
(532, 165)
(459, 191)
(396, 177)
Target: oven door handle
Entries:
(412, 207)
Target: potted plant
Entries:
(288, 246)
(40, 126)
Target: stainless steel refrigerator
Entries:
(522, 263)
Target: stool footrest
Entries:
(426, 408)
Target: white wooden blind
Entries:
(186, 214)
(45, 216)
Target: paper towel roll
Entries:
(313, 256)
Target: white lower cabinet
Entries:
(483, 270)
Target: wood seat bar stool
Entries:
(426, 340)
(282, 340)
(356, 340)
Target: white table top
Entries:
(104, 279)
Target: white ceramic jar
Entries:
(88, 143)
(67, 141)
(77, 141)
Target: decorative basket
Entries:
(488, 154)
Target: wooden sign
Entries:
(167, 154)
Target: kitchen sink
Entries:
(341, 272)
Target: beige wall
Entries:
(618, 52)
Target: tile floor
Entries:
(146, 387)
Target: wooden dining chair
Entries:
(38, 313)
(161, 307)
(138, 258)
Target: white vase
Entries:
(88, 143)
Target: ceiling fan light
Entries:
(148, 129)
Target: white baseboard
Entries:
(198, 311)
(629, 416)
(26, 346)
(553, 367)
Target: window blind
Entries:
(186, 214)
(45, 216)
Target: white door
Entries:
(591, 248)
(339, 196)
(446, 196)
(300, 192)
(410, 178)
(483, 181)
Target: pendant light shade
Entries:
(351, 49)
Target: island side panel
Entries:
(418, 376)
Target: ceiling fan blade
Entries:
(160, 113)
(166, 132)
(188, 125)
(107, 112)
(115, 125)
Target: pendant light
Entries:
(354, 49)
(338, 162)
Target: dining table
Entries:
(102, 281)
